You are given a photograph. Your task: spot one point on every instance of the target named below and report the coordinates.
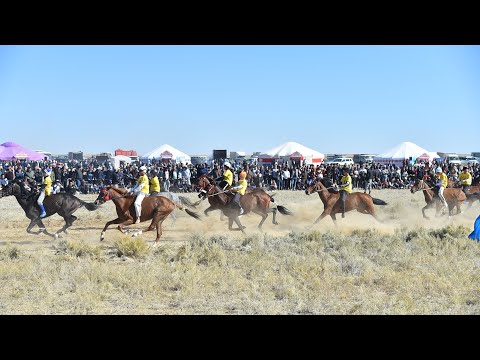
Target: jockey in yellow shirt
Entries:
(227, 179)
(442, 184)
(142, 188)
(240, 189)
(465, 179)
(47, 189)
(345, 188)
(154, 184)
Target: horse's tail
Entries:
(189, 212)
(185, 201)
(473, 196)
(283, 210)
(378, 201)
(89, 206)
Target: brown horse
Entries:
(454, 197)
(361, 202)
(256, 201)
(156, 208)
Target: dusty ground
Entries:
(403, 211)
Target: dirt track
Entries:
(403, 210)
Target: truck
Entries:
(450, 158)
(363, 158)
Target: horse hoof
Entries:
(55, 236)
(276, 223)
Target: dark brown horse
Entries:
(256, 201)
(156, 208)
(453, 196)
(332, 205)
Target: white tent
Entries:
(291, 151)
(120, 158)
(167, 152)
(399, 153)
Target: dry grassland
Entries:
(405, 265)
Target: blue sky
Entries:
(335, 99)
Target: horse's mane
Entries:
(119, 190)
(327, 183)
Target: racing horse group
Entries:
(258, 201)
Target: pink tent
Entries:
(12, 151)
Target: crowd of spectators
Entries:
(88, 176)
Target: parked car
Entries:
(468, 160)
(341, 161)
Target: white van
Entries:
(341, 161)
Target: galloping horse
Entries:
(473, 192)
(156, 208)
(62, 204)
(361, 202)
(454, 197)
(257, 201)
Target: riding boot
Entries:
(42, 211)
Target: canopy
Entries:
(292, 151)
(13, 151)
(120, 158)
(167, 152)
(398, 154)
(428, 156)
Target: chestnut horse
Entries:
(361, 202)
(257, 201)
(473, 192)
(453, 196)
(156, 208)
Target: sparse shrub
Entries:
(11, 252)
(450, 231)
(77, 249)
(132, 247)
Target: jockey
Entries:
(46, 190)
(465, 179)
(227, 178)
(141, 188)
(345, 188)
(240, 189)
(442, 184)
(154, 184)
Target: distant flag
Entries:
(475, 235)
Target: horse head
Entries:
(103, 196)
(417, 185)
(203, 183)
(315, 186)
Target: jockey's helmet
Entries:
(243, 175)
(143, 168)
(227, 164)
(439, 170)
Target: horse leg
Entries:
(116, 221)
(207, 210)
(240, 226)
(322, 215)
(157, 221)
(425, 208)
(334, 218)
(274, 212)
(459, 205)
(263, 215)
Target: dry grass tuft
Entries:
(132, 247)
